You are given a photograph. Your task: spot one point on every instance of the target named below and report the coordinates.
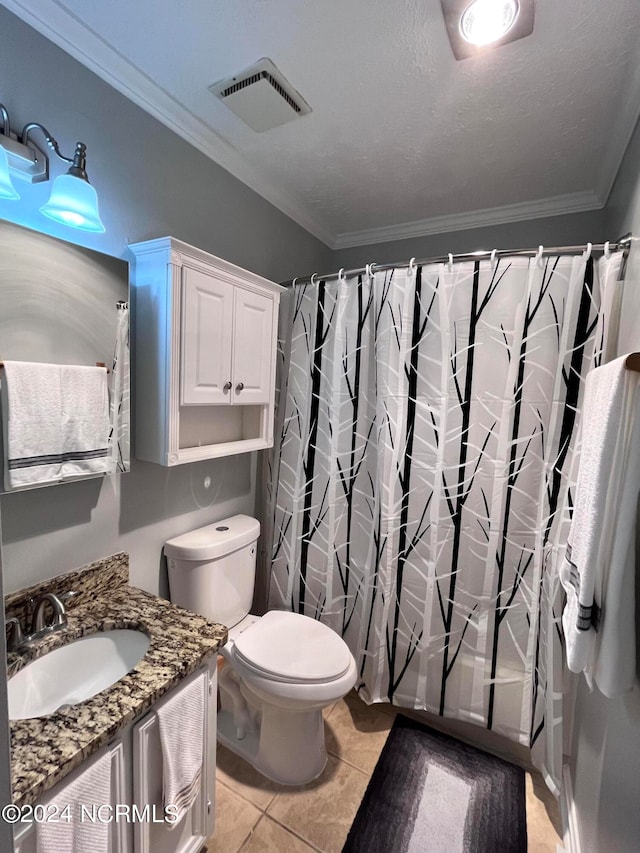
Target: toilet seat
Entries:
(293, 649)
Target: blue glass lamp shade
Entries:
(7, 190)
(73, 202)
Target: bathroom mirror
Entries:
(64, 304)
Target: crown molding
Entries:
(74, 37)
(554, 206)
(71, 34)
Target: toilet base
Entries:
(288, 749)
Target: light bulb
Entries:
(486, 21)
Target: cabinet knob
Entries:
(239, 386)
(226, 386)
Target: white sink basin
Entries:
(75, 672)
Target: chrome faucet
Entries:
(39, 628)
(59, 614)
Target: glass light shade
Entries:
(486, 21)
(73, 202)
(7, 190)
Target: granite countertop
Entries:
(45, 749)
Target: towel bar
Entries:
(98, 364)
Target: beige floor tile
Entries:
(235, 818)
(322, 811)
(269, 837)
(356, 732)
(244, 779)
(544, 827)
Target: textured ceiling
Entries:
(403, 139)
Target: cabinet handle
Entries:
(226, 386)
(239, 387)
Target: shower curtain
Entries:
(421, 479)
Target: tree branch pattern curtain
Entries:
(420, 483)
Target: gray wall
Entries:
(605, 760)
(151, 183)
(551, 231)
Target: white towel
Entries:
(181, 722)
(55, 423)
(598, 572)
(91, 788)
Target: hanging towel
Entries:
(181, 721)
(92, 787)
(598, 571)
(55, 423)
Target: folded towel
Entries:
(181, 721)
(92, 787)
(598, 572)
(55, 421)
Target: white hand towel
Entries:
(598, 573)
(91, 788)
(181, 722)
(55, 422)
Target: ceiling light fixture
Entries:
(73, 201)
(475, 25)
(486, 21)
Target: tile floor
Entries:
(255, 815)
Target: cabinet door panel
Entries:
(26, 835)
(189, 835)
(207, 326)
(252, 347)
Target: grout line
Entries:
(251, 831)
(244, 796)
(297, 835)
(367, 773)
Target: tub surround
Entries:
(44, 750)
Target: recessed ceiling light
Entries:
(475, 25)
(486, 21)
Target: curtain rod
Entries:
(623, 244)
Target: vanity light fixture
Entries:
(73, 201)
(475, 25)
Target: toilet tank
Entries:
(212, 569)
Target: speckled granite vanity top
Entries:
(45, 749)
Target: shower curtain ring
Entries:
(607, 250)
(539, 255)
(412, 266)
(450, 262)
(341, 276)
(314, 278)
(588, 251)
(493, 258)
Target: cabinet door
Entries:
(192, 831)
(26, 835)
(206, 329)
(253, 343)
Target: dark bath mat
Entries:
(430, 793)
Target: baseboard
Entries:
(568, 814)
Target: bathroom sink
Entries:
(75, 672)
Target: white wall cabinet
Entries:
(206, 334)
(137, 779)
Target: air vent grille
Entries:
(261, 96)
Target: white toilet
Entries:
(282, 668)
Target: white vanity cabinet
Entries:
(206, 335)
(137, 781)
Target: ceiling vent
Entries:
(261, 96)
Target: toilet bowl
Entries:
(280, 670)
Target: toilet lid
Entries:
(292, 647)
